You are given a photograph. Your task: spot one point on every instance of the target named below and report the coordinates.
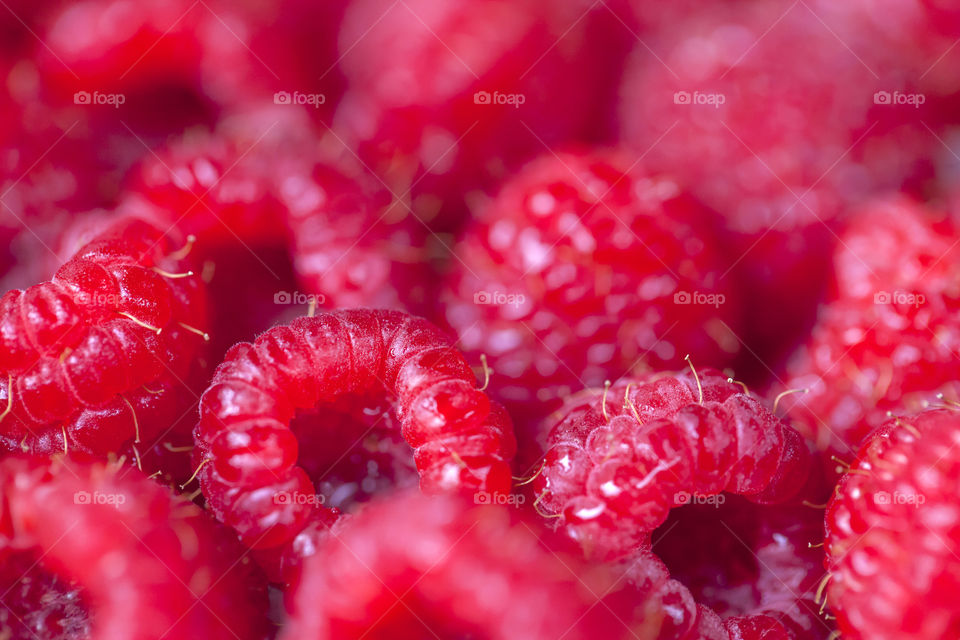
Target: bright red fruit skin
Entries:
(892, 537)
(461, 441)
(447, 98)
(81, 351)
(150, 565)
(615, 467)
(411, 565)
(886, 338)
(582, 269)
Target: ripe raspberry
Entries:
(92, 360)
(581, 270)
(777, 141)
(462, 442)
(887, 338)
(615, 469)
(446, 98)
(148, 565)
(350, 246)
(892, 538)
(413, 566)
(751, 564)
(160, 65)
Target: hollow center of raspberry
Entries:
(353, 450)
(37, 603)
(710, 548)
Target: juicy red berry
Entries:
(414, 566)
(429, 84)
(461, 441)
(350, 247)
(614, 470)
(892, 539)
(757, 566)
(889, 335)
(581, 269)
(778, 142)
(80, 352)
(148, 565)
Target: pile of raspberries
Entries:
(479, 319)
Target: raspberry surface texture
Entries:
(461, 441)
(80, 352)
(887, 338)
(616, 466)
(148, 565)
(583, 268)
(892, 532)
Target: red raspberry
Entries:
(461, 441)
(98, 354)
(581, 270)
(616, 467)
(752, 564)
(350, 246)
(892, 539)
(149, 565)
(776, 141)
(444, 98)
(159, 65)
(889, 335)
(413, 566)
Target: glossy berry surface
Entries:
(81, 351)
(616, 466)
(584, 268)
(887, 337)
(892, 532)
(461, 441)
(413, 566)
(148, 565)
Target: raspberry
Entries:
(414, 566)
(148, 565)
(163, 66)
(615, 468)
(92, 360)
(349, 244)
(461, 441)
(777, 142)
(888, 336)
(751, 564)
(446, 98)
(581, 249)
(891, 533)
